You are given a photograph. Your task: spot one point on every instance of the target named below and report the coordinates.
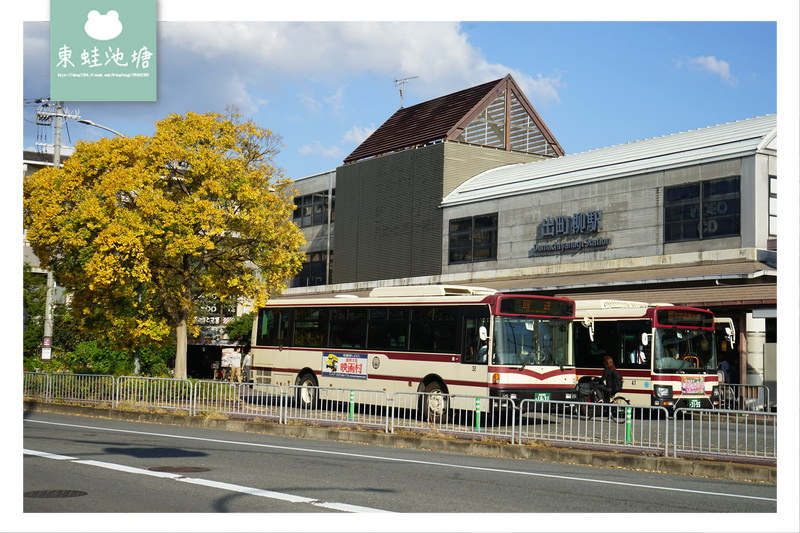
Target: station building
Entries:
(472, 188)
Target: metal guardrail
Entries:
(740, 397)
(690, 432)
(725, 433)
(238, 399)
(36, 385)
(454, 414)
(608, 425)
(154, 393)
(341, 406)
(83, 388)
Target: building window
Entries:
(473, 239)
(312, 209)
(773, 206)
(702, 210)
(313, 271)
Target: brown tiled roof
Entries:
(437, 120)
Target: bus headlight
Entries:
(662, 391)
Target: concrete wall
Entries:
(388, 220)
(316, 236)
(632, 218)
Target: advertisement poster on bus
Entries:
(344, 365)
(692, 385)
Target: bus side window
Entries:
(634, 353)
(273, 326)
(606, 342)
(475, 349)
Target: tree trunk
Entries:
(181, 333)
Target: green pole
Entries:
(352, 414)
(628, 425)
(477, 414)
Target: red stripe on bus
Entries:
(529, 373)
(399, 356)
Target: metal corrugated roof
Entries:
(737, 271)
(748, 295)
(733, 139)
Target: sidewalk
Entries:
(536, 452)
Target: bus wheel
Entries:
(434, 403)
(307, 391)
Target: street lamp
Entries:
(95, 124)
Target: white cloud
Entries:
(438, 53)
(358, 134)
(316, 148)
(715, 66)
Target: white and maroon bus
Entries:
(665, 353)
(435, 339)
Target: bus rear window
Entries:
(537, 306)
(684, 318)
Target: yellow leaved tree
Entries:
(138, 229)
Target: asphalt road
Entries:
(75, 464)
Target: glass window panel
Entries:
(311, 327)
(721, 187)
(398, 313)
(378, 313)
(461, 224)
(486, 221)
(682, 193)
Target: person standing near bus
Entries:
(246, 364)
(236, 365)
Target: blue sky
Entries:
(324, 86)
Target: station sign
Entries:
(570, 233)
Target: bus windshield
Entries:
(684, 350)
(521, 341)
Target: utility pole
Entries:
(43, 118)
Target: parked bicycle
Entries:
(594, 404)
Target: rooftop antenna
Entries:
(399, 82)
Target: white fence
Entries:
(725, 433)
(238, 400)
(737, 397)
(690, 432)
(597, 424)
(340, 406)
(454, 415)
(154, 393)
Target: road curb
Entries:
(533, 452)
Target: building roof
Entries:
(445, 118)
(735, 139)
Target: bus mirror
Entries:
(645, 339)
(730, 336)
(588, 322)
(482, 333)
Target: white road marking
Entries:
(412, 461)
(291, 498)
(49, 455)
